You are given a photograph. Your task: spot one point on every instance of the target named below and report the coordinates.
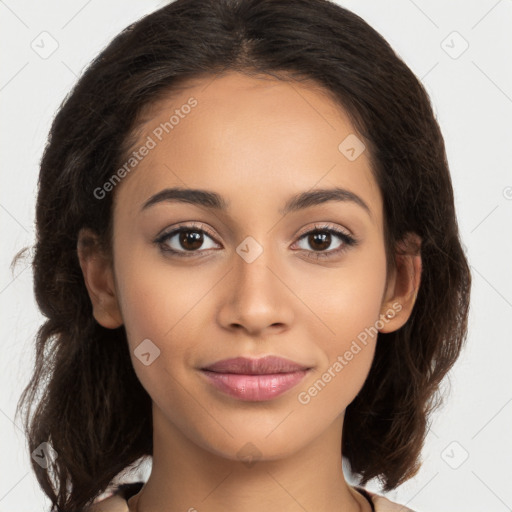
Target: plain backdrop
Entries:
(462, 52)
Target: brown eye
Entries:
(190, 240)
(321, 238)
(186, 241)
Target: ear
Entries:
(99, 279)
(403, 286)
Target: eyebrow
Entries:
(214, 201)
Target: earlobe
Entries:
(399, 303)
(98, 277)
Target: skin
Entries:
(255, 141)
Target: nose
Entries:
(255, 296)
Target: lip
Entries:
(260, 366)
(255, 379)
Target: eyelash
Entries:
(348, 241)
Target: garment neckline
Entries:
(365, 494)
(129, 490)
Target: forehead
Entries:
(247, 137)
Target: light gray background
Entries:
(472, 98)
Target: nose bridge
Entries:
(258, 297)
(253, 266)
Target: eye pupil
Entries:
(195, 237)
(322, 237)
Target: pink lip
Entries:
(255, 379)
(255, 388)
(261, 366)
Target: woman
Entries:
(249, 259)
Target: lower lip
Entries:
(254, 388)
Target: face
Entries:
(250, 279)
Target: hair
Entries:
(93, 410)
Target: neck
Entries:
(186, 476)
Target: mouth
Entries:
(263, 366)
(255, 379)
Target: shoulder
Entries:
(114, 503)
(383, 504)
(115, 498)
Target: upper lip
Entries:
(261, 366)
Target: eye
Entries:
(184, 241)
(321, 238)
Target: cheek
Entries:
(345, 361)
(157, 298)
(349, 306)
(348, 299)
(164, 305)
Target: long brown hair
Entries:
(93, 411)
